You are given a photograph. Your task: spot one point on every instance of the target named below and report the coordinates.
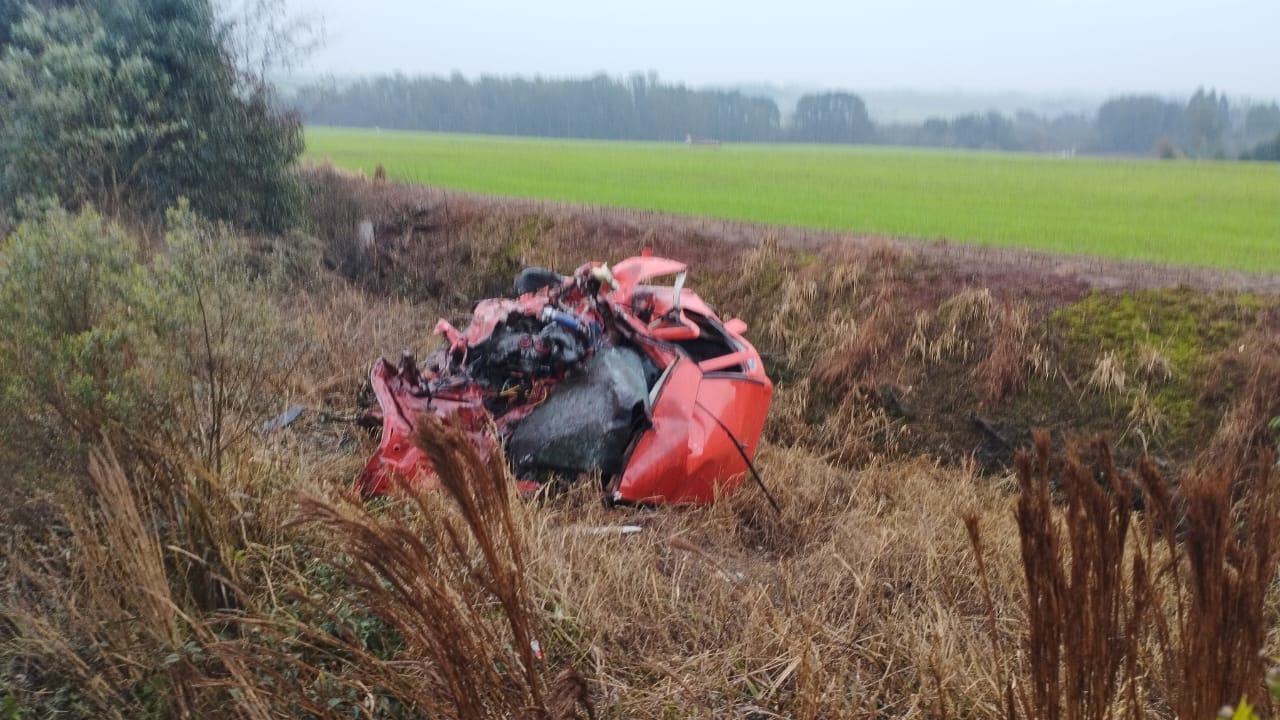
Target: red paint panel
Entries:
(687, 456)
(657, 466)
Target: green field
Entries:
(1217, 214)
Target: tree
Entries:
(1134, 123)
(832, 117)
(991, 131)
(1205, 120)
(75, 124)
(1269, 151)
(1262, 121)
(130, 104)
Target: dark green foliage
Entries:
(130, 105)
(1134, 124)
(640, 108)
(130, 385)
(1206, 120)
(1146, 124)
(68, 338)
(991, 131)
(96, 342)
(1262, 121)
(10, 13)
(1268, 151)
(832, 117)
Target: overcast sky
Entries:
(1043, 46)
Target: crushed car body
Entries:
(604, 372)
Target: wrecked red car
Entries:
(606, 372)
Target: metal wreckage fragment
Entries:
(605, 371)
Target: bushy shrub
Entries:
(69, 339)
(129, 385)
(99, 343)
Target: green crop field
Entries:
(1218, 214)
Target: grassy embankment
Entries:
(195, 564)
(1213, 214)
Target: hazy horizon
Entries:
(1050, 47)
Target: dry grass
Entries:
(450, 582)
(111, 610)
(839, 607)
(963, 322)
(1082, 612)
(834, 607)
(1154, 365)
(1108, 376)
(864, 346)
(1015, 353)
(858, 599)
(1142, 614)
(971, 320)
(1254, 368)
(99, 619)
(1146, 417)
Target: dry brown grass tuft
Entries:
(971, 320)
(1154, 365)
(1231, 555)
(1146, 417)
(1108, 376)
(1082, 616)
(807, 310)
(1134, 614)
(1014, 354)
(1253, 367)
(446, 579)
(859, 352)
(962, 323)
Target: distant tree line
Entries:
(640, 107)
(1269, 151)
(636, 108)
(1201, 127)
